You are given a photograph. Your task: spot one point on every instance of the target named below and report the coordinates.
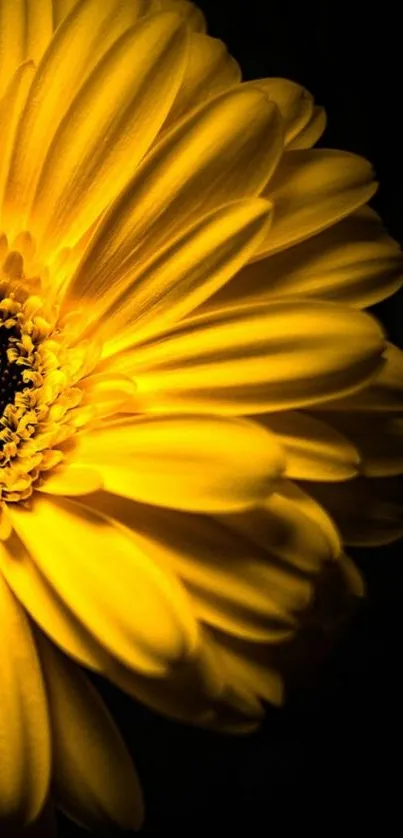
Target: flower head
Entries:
(187, 374)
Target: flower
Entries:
(187, 379)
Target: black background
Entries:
(331, 759)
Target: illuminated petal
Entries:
(61, 8)
(190, 12)
(233, 585)
(54, 87)
(47, 609)
(24, 724)
(369, 513)
(222, 152)
(182, 275)
(294, 102)
(11, 106)
(312, 190)
(108, 394)
(199, 464)
(255, 358)
(209, 71)
(108, 129)
(314, 449)
(188, 689)
(355, 263)
(383, 394)
(294, 530)
(140, 615)
(70, 480)
(12, 36)
(311, 132)
(94, 780)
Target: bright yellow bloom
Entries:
(189, 386)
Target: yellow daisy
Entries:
(189, 386)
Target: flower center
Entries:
(40, 398)
(11, 380)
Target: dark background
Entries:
(331, 759)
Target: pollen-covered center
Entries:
(11, 378)
(40, 395)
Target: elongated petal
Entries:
(294, 102)
(233, 585)
(12, 32)
(249, 664)
(45, 606)
(61, 8)
(383, 394)
(140, 615)
(354, 262)
(190, 12)
(11, 106)
(256, 358)
(369, 513)
(56, 82)
(209, 71)
(314, 449)
(181, 276)
(108, 394)
(107, 130)
(94, 780)
(70, 480)
(295, 531)
(222, 152)
(199, 464)
(312, 190)
(378, 438)
(311, 132)
(24, 723)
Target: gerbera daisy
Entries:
(186, 382)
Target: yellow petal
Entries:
(61, 8)
(233, 585)
(384, 393)
(314, 449)
(312, 190)
(378, 438)
(294, 102)
(190, 12)
(48, 610)
(11, 106)
(204, 691)
(70, 480)
(199, 464)
(39, 27)
(139, 615)
(108, 394)
(12, 36)
(181, 276)
(256, 358)
(355, 263)
(294, 531)
(222, 152)
(311, 132)
(187, 690)
(249, 664)
(369, 513)
(209, 71)
(94, 780)
(55, 84)
(24, 723)
(108, 129)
